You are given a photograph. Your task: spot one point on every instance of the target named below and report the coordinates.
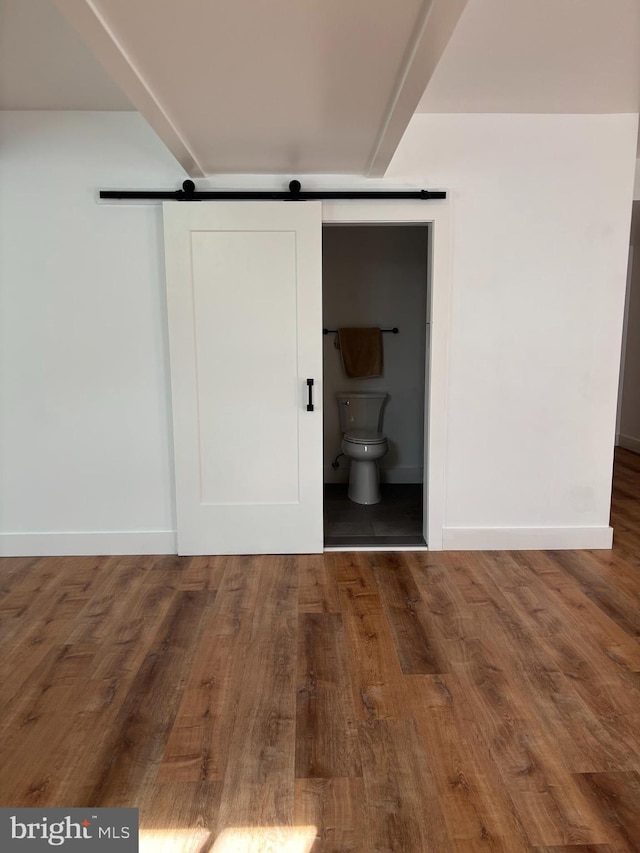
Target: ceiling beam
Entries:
(97, 34)
(434, 27)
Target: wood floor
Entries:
(372, 702)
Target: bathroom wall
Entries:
(377, 276)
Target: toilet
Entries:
(363, 441)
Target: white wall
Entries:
(540, 214)
(376, 276)
(84, 396)
(541, 217)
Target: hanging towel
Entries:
(361, 352)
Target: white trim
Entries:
(526, 538)
(438, 216)
(628, 443)
(93, 544)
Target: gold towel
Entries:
(361, 351)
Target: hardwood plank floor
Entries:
(346, 702)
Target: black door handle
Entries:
(310, 389)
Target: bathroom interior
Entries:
(374, 276)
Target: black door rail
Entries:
(295, 193)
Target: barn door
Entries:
(245, 331)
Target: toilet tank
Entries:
(361, 410)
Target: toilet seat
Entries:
(363, 436)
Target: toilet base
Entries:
(364, 482)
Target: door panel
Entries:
(244, 297)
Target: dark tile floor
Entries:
(396, 520)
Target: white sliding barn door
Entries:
(244, 289)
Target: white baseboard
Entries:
(100, 543)
(526, 538)
(165, 541)
(628, 443)
(387, 475)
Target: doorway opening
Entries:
(377, 275)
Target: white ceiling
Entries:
(45, 65)
(276, 87)
(302, 86)
(540, 56)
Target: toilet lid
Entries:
(364, 436)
